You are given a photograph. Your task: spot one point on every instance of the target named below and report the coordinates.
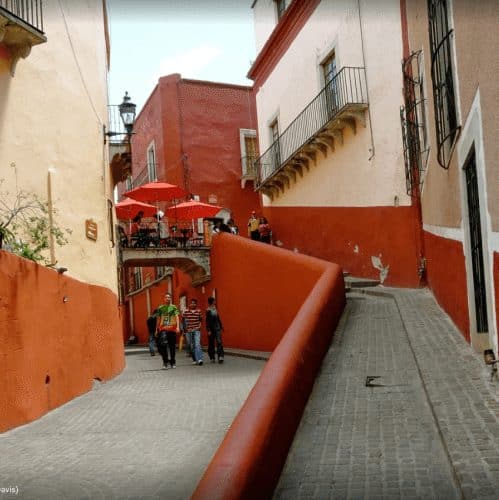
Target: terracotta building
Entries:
(388, 169)
(201, 136)
(452, 154)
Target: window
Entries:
(443, 81)
(137, 278)
(414, 121)
(280, 8)
(330, 84)
(110, 223)
(274, 133)
(249, 154)
(151, 163)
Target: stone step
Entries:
(354, 282)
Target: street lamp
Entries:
(127, 114)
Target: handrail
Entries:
(28, 11)
(347, 87)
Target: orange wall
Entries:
(259, 289)
(446, 275)
(250, 459)
(51, 350)
(332, 233)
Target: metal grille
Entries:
(347, 87)
(28, 11)
(476, 243)
(116, 125)
(413, 122)
(443, 82)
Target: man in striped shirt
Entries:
(192, 317)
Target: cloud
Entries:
(190, 63)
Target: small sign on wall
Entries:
(91, 229)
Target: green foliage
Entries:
(25, 225)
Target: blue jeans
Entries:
(152, 341)
(195, 341)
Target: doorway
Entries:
(475, 232)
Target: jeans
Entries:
(163, 349)
(152, 341)
(195, 341)
(190, 345)
(213, 337)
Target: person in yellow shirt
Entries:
(253, 224)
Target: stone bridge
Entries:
(193, 261)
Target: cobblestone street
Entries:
(149, 433)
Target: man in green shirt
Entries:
(168, 326)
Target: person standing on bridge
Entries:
(168, 327)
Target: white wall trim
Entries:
(450, 233)
(472, 135)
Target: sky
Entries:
(200, 39)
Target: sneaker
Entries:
(200, 362)
(166, 367)
(194, 363)
(212, 360)
(174, 366)
(221, 360)
(152, 354)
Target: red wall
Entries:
(331, 233)
(310, 294)
(446, 275)
(259, 289)
(195, 126)
(51, 350)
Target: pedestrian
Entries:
(168, 327)
(151, 328)
(214, 327)
(193, 318)
(264, 230)
(253, 224)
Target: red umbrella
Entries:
(192, 210)
(128, 209)
(156, 191)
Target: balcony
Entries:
(119, 145)
(317, 129)
(248, 169)
(21, 27)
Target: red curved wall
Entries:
(350, 236)
(446, 275)
(307, 297)
(259, 289)
(56, 336)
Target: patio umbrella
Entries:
(192, 210)
(156, 191)
(128, 209)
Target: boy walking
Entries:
(192, 317)
(168, 327)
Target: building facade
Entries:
(451, 128)
(201, 136)
(328, 92)
(53, 109)
(376, 125)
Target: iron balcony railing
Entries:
(143, 177)
(348, 87)
(28, 11)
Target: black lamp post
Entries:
(127, 113)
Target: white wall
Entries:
(51, 117)
(351, 176)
